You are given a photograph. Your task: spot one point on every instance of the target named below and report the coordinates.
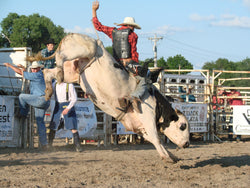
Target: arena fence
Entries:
(223, 112)
(212, 123)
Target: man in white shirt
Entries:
(64, 111)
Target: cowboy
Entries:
(46, 52)
(35, 98)
(125, 51)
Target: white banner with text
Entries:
(6, 117)
(86, 120)
(196, 115)
(241, 119)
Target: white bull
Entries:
(86, 62)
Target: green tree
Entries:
(177, 62)
(225, 64)
(162, 63)
(243, 66)
(219, 64)
(29, 31)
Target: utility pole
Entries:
(155, 40)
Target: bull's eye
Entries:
(183, 126)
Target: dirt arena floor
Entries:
(203, 164)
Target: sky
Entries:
(199, 30)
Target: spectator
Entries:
(64, 112)
(125, 51)
(35, 98)
(218, 102)
(234, 101)
(48, 51)
(218, 105)
(191, 97)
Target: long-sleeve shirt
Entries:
(61, 94)
(235, 101)
(132, 38)
(48, 64)
(37, 83)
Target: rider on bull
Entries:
(124, 51)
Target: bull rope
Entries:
(82, 69)
(96, 32)
(120, 116)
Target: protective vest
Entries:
(121, 46)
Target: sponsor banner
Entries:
(6, 117)
(196, 115)
(86, 120)
(241, 119)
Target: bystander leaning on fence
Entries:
(35, 98)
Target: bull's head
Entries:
(172, 122)
(178, 131)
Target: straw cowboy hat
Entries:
(35, 65)
(129, 21)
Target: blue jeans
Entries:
(40, 106)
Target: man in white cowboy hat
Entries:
(35, 98)
(124, 49)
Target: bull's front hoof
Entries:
(170, 160)
(175, 159)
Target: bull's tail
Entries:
(39, 57)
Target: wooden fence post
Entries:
(108, 129)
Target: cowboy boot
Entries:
(77, 142)
(51, 137)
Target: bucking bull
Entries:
(84, 60)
